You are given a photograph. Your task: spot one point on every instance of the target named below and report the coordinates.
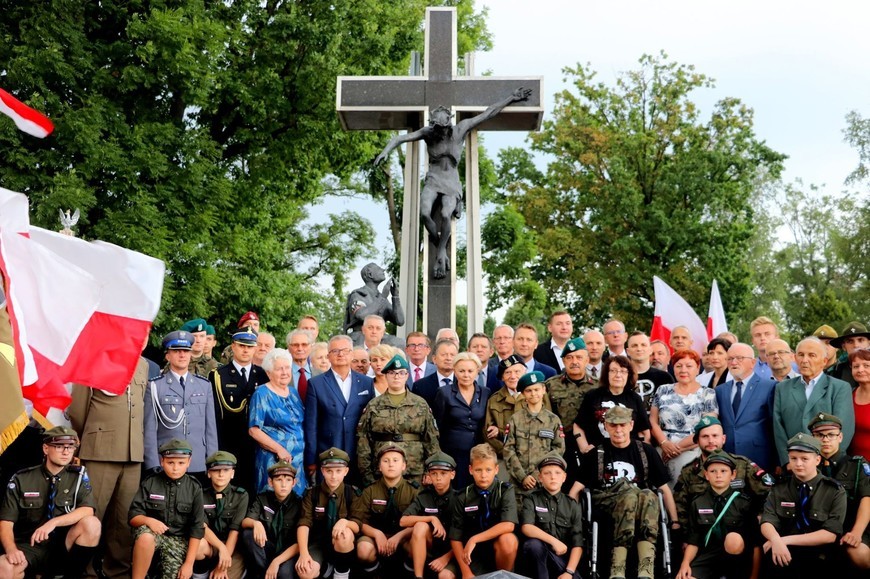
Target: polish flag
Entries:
(27, 119)
(671, 311)
(716, 323)
(81, 311)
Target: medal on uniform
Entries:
(173, 409)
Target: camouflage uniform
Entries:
(530, 438)
(750, 480)
(566, 395)
(202, 365)
(408, 424)
(381, 507)
(499, 409)
(853, 473)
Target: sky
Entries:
(800, 66)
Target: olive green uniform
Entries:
(428, 503)
(750, 479)
(224, 512)
(381, 507)
(557, 515)
(499, 409)
(29, 503)
(321, 508)
(280, 518)
(530, 438)
(475, 510)
(178, 505)
(408, 423)
(740, 517)
(853, 473)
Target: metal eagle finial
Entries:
(68, 221)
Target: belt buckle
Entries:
(398, 438)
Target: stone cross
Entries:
(403, 102)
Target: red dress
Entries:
(861, 440)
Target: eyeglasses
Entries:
(399, 373)
(340, 351)
(779, 353)
(416, 346)
(828, 436)
(64, 447)
(739, 358)
(619, 371)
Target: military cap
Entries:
(333, 456)
(282, 467)
(553, 458)
(803, 442)
(175, 447)
(721, 457)
(440, 461)
(245, 338)
(852, 329)
(243, 321)
(573, 345)
(531, 378)
(823, 419)
(390, 447)
(194, 325)
(179, 340)
(60, 434)
(209, 330)
(221, 460)
(619, 415)
(825, 332)
(511, 360)
(395, 364)
(704, 423)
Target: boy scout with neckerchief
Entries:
(225, 506)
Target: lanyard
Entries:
(721, 514)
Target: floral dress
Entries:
(678, 416)
(280, 417)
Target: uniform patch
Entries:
(542, 509)
(471, 508)
(546, 434)
(705, 511)
(767, 479)
(430, 510)
(866, 468)
(379, 502)
(786, 504)
(268, 510)
(31, 495)
(156, 497)
(738, 484)
(319, 509)
(209, 506)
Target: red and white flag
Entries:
(80, 311)
(27, 119)
(671, 311)
(716, 323)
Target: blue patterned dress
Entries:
(678, 416)
(280, 417)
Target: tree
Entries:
(638, 185)
(201, 133)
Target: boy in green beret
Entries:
(379, 508)
(326, 535)
(225, 506)
(429, 518)
(269, 528)
(167, 516)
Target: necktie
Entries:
(181, 381)
(481, 379)
(244, 372)
(417, 373)
(738, 395)
(447, 382)
(484, 514)
(331, 512)
(803, 520)
(52, 493)
(594, 371)
(302, 385)
(277, 524)
(219, 509)
(391, 514)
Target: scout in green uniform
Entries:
(380, 506)
(533, 433)
(853, 473)
(484, 518)
(552, 523)
(397, 417)
(47, 522)
(167, 516)
(326, 533)
(201, 363)
(429, 517)
(722, 526)
(803, 516)
(225, 506)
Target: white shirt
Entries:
(422, 368)
(247, 369)
(343, 385)
(597, 370)
(557, 349)
(441, 378)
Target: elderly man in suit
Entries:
(427, 387)
(746, 409)
(334, 405)
(417, 348)
(798, 400)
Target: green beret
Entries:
(440, 461)
(822, 419)
(395, 364)
(391, 447)
(209, 330)
(721, 457)
(333, 456)
(60, 434)
(282, 467)
(221, 459)
(573, 345)
(619, 415)
(195, 325)
(705, 422)
(531, 378)
(511, 360)
(175, 447)
(553, 458)
(803, 442)
(852, 329)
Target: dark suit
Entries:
(330, 420)
(545, 355)
(750, 433)
(492, 380)
(792, 411)
(428, 371)
(427, 387)
(547, 371)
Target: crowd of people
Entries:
(332, 459)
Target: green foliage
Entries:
(637, 185)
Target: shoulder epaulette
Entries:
(413, 483)
(832, 482)
(28, 469)
(506, 485)
(240, 490)
(204, 379)
(355, 490)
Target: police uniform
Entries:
(557, 515)
(407, 423)
(381, 506)
(35, 495)
(177, 503)
(225, 510)
(531, 437)
(280, 519)
(173, 410)
(824, 508)
(476, 510)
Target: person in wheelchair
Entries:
(623, 475)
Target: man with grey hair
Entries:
(299, 345)
(265, 344)
(448, 334)
(442, 356)
(373, 330)
(659, 355)
(781, 360)
(798, 400)
(615, 337)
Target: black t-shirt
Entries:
(649, 382)
(597, 402)
(623, 463)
